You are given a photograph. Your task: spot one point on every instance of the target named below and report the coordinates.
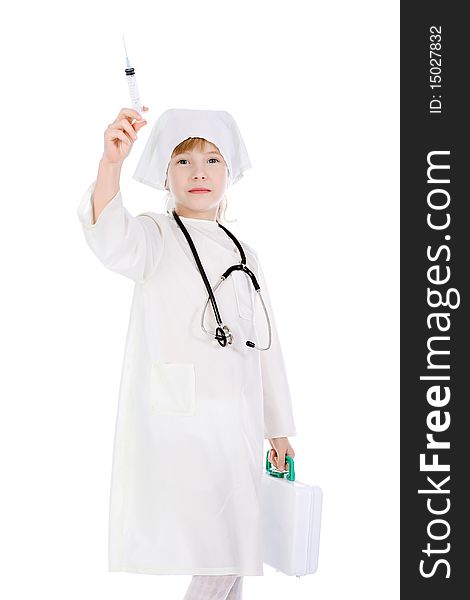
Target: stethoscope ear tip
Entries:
(250, 344)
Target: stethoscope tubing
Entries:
(222, 333)
(248, 343)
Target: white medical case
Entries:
(290, 519)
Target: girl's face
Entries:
(198, 169)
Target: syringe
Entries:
(132, 82)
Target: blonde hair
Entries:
(196, 143)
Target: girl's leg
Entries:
(236, 590)
(214, 587)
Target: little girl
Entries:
(203, 379)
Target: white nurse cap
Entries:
(177, 124)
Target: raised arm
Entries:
(128, 245)
(119, 138)
(131, 246)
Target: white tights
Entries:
(215, 587)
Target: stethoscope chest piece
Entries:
(223, 335)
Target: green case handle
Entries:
(290, 464)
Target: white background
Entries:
(314, 89)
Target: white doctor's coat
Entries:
(188, 448)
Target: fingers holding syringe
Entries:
(131, 114)
(125, 126)
(140, 118)
(133, 118)
(140, 121)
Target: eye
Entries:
(181, 159)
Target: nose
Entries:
(199, 173)
(200, 176)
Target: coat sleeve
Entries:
(277, 402)
(131, 246)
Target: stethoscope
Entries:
(222, 333)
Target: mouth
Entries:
(199, 190)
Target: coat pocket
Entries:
(244, 293)
(173, 388)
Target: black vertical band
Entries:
(435, 270)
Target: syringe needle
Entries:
(125, 50)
